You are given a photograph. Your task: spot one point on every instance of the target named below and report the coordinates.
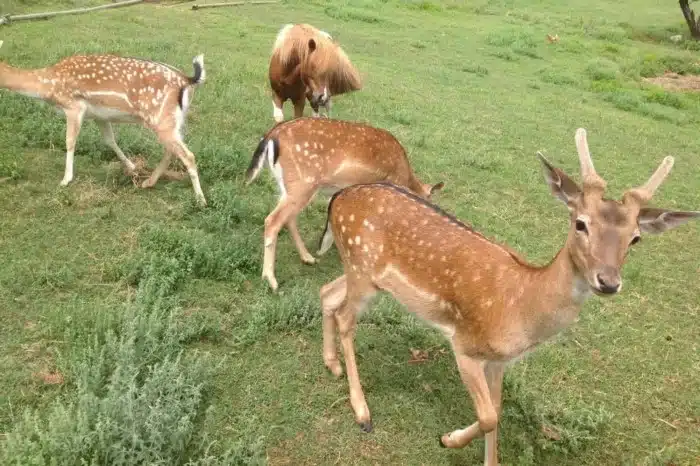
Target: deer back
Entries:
(340, 153)
(108, 82)
(442, 269)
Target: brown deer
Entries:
(114, 89)
(306, 63)
(491, 304)
(308, 154)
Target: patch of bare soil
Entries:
(50, 378)
(676, 82)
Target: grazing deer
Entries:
(113, 89)
(307, 63)
(491, 304)
(306, 155)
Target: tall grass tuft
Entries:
(135, 397)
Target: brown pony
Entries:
(307, 63)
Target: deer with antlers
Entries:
(307, 63)
(309, 154)
(488, 302)
(114, 89)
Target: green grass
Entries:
(170, 349)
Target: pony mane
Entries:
(329, 59)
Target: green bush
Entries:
(135, 397)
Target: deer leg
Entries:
(273, 224)
(74, 120)
(474, 378)
(346, 319)
(494, 378)
(291, 203)
(277, 112)
(159, 170)
(304, 253)
(108, 138)
(299, 108)
(173, 144)
(332, 296)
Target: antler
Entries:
(644, 193)
(591, 179)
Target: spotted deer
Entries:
(114, 89)
(490, 303)
(309, 154)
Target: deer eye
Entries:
(635, 240)
(581, 226)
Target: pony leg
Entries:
(277, 112)
(299, 108)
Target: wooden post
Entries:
(10, 18)
(214, 5)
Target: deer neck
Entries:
(555, 294)
(23, 81)
(415, 185)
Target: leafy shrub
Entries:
(602, 69)
(136, 397)
(564, 432)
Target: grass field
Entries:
(136, 328)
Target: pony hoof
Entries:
(442, 445)
(366, 427)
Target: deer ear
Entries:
(563, 187)
(436, 187)
(312, 45)
(657, 221)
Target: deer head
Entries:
(602, 230)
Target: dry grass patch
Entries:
(676, 82)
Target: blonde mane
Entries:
(329, 59)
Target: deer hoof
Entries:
(272, 281)
(310, 260)
(130, 170)
(334, 366)
(366, 427)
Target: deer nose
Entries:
(608, 283)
